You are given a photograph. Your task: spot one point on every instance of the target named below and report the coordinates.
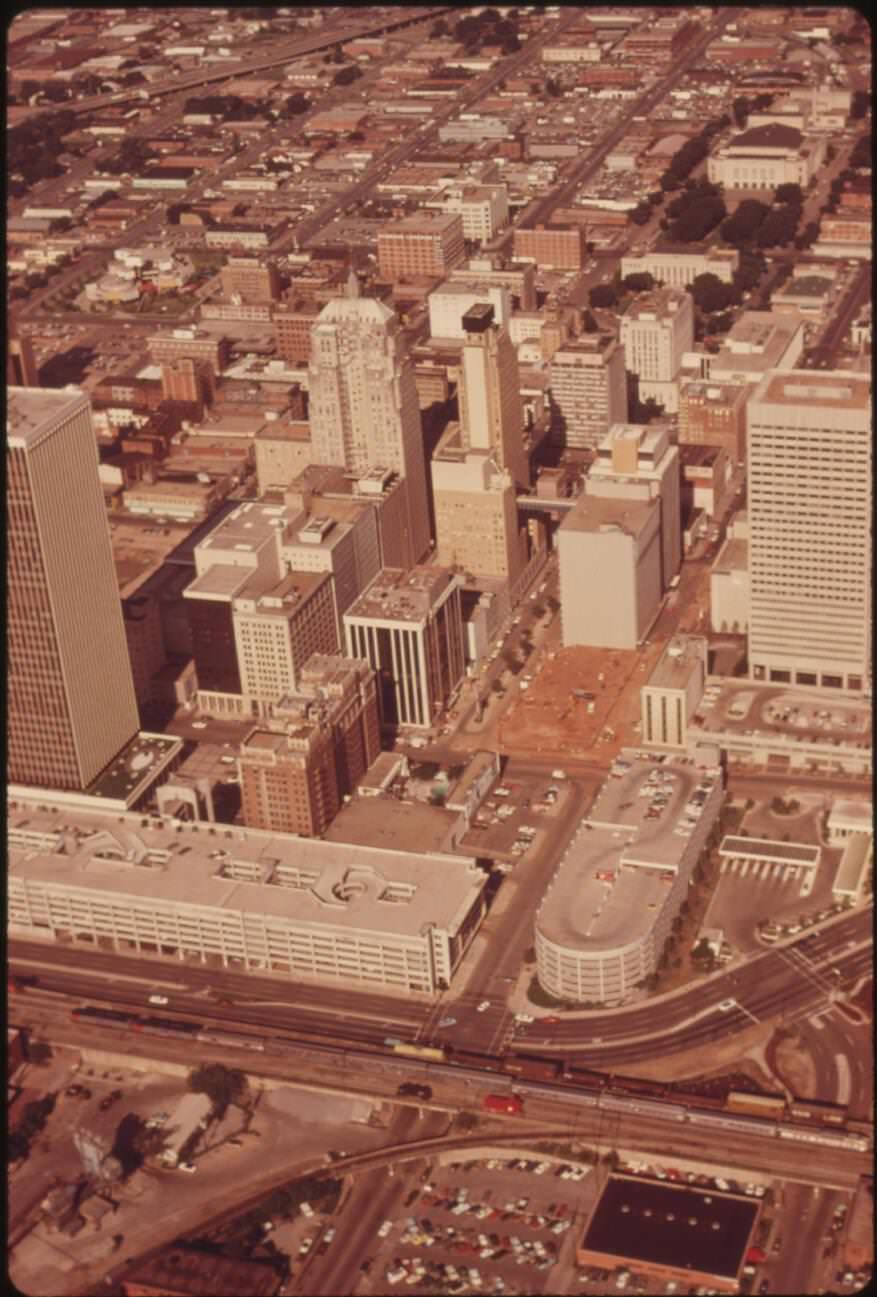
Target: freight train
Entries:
(816, 1123)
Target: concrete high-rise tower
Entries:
(70, 698)
(491, 412)
(809, 488)
(364, 411)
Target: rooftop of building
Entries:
(29, 410)
(753, 710)
(682, 656)
(397, 595)
(698, 455)
(847, 812)
(831, 390)
(391, 824)
(248, 527)
(614, 877)
(599, 513)
(718, 392)
(774, 135)
(673, 1225)
(647, 438)
(422, 223)
(658, 304)
(244, 871)
(139, 761)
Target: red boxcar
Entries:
(508, 1103)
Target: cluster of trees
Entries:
(486, 28)
(223, 106)
(33, 148)
(346, 75)
(697, 210)
(860, 105)
(692, 152)
(643, 210)
(132, 155)
(861, 152)
(33, 1119)
(757, 223)
(296, 105)
(640, 282)
(712, 294)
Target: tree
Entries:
(701, 216)
(639, 283)
(743, 226)
(439, 28)
(710, 293)
(222, 1085)
(602, 295)
(861, 153)
(779, 227)
(552, 89)
(296, 104)
(344, 76)
(789, 193)
(860, 105)
(641, 214)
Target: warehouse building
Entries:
(670, 1232)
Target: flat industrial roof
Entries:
(675, 665)
(582, 910)
(793, 853)
(304, 881)
(671, 1225)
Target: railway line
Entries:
(817, 1124)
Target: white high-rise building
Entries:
(656, 330)
(809, 500)
(588, 390)
(364, 411)
(70, 692)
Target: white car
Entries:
(188, 1167)
(524, 1017)
(158, 999)
(199, 725)
(483, 1006)
(385, 1229)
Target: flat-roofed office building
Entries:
(809, 498)
(588, 390)
(244, 899)
(610, 571)
(70, 692)
(673, 692)
(409, 627)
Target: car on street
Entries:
(483, 1006)
(385, 1229)
(188, 1167)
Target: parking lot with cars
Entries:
(514, 817)
(499, 1226)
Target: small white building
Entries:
(673, 692)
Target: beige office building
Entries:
(809, 495)
(476, 513)
(489, 392)
(673, 693)
(70, 698)
(364, 411)
(638, 462)
(678, 267)
(656, 330)
(588, 390)
(609, 553)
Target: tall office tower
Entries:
(22, 369)
(70, 696)
(408, 626)
(588, 390)
(639, 463)
(491, 412)
(364, 410)
(809, 501)
(656, 330)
